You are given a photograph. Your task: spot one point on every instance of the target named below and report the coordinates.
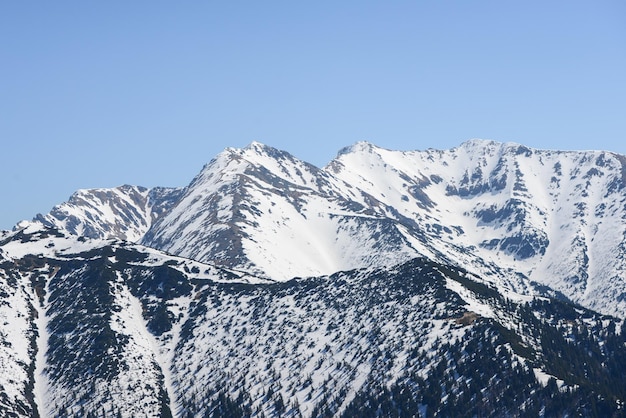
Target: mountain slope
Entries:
(557, 217)
(128, 330)
(81, 330)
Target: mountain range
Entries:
(484, 280)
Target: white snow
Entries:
(473, 304)
(15, 334)
(139, 356)
(543, 378)
(41, 379)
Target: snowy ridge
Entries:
(517, 217)
(124, 212)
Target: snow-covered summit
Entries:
(358, 147)
(124, 212)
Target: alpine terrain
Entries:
(488, 280)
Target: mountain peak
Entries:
(357, 147)
(257, 147)
(479, 143)
(125, 212)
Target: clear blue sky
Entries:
(99, 94)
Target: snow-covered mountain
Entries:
(108, 328)
(558, 218)
(125, 212)
(424, 283)
(520, 218)
(262, 210)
